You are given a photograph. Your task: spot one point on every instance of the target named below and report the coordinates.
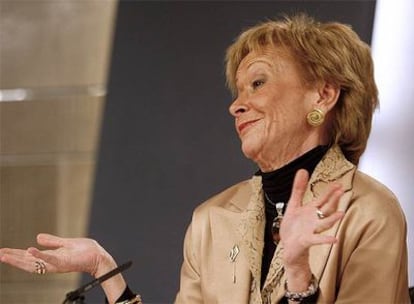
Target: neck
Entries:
(281, 157)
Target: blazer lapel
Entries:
(231, 256)
(230, 265)
(274, 284)
(251, 229)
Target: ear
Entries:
(328, 96)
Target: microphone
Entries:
(77, 295)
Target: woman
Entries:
(308, 227)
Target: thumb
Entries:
(50, 240)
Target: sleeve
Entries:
(126, 295)
(190, 279)
(377, 268)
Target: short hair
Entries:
(330, 52)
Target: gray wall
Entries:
(167, 140)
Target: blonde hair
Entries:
(330, 52)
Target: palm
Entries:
(301, 228)
(63, 255)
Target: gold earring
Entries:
(315, 117)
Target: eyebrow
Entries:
(259, 60)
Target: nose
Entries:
(238, 107)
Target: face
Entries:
(271, 107)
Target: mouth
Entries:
(246, 125)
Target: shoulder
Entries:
(232, 198)
(225, 206)
(374, 201)
(373, 193)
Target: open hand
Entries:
(301, 226)
(62, 255)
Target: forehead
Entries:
(270, 56)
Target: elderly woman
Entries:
(308, 226)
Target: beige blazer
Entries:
(224, 243)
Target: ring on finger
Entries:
(40, 267)
(320, 214)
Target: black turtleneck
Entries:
(278, 187)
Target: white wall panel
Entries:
(389, 156)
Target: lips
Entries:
(242, 126)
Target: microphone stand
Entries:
(77, 296)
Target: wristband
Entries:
(300, 296)
(134, 300)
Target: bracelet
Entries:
(134, 300)
(300, 296)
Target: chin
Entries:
(250, 151)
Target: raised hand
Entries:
(302, 225)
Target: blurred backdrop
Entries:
(114, 125)
(54, 60)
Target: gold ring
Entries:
(320, 214)
(40, 267)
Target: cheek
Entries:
(272, 102)
(278, 115)
(281, 108)
(283, 123)
(287, 107)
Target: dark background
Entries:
(168, 142)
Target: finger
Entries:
(20, 259)
(53, 263)
(37, 253)
(299, 187)
(328, 222)
(15, 252)
(331, 205)
(49, 240)
(17, 262)
(328, 194)
(320, 239)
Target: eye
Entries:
(257, 83)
